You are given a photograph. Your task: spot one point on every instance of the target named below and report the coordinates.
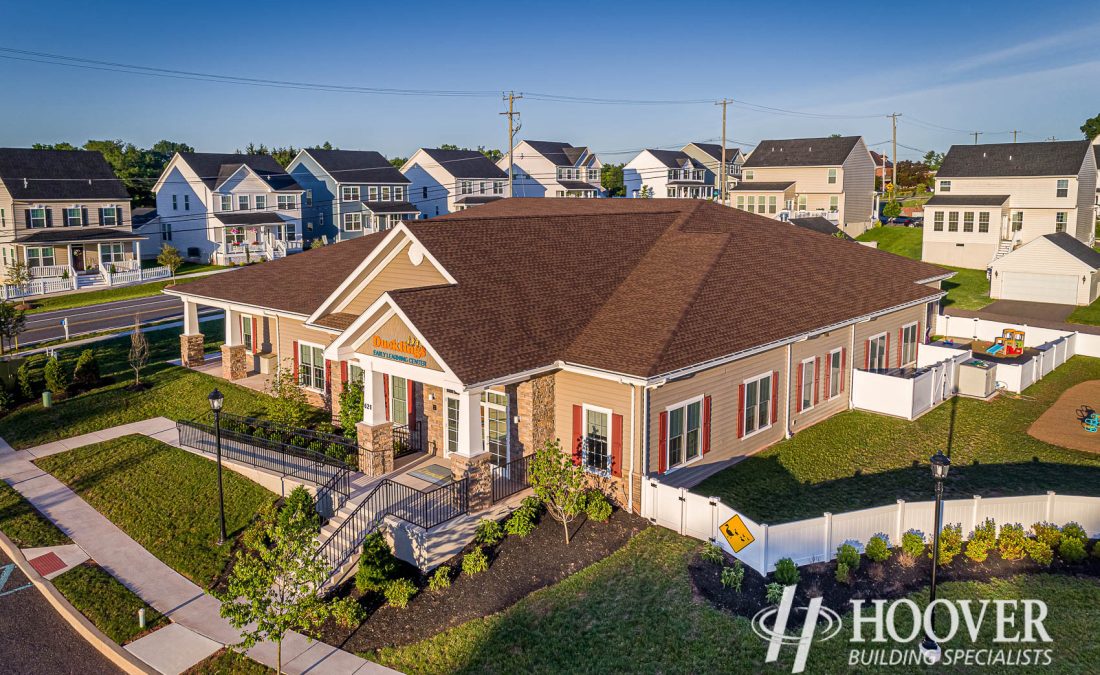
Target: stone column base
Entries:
(234, 365)
(375, 448)
(480, 474)
(191, 351)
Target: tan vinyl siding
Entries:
(808, 179)
(290, 330)
(17, 215)
(575, 389)
(819, 347)
(889, 324)
(398, 273)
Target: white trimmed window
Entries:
(38, 218)
(498, 187)
(968, 221)
(74, 217)
(758, 402)
(685, 423)
(349, 193)
(111, 253)
(877, 358)
(309, 197)
(452, 421)
(353, 222)
(40, 257)
(385, 193)
(748, 174)
(937, 221)
(287, 202)
(1017, 221)
(832, 177)
(311, 366)
(809, 383)
(398, 193)
(834, 203)
(261, 202)
(1060, 220)
(952, 221)
(372, 193)
(246, 333)
(465, 187)
(909, 344)
(771, 204)
(801, 202)
(741, 202)
(243, 203)
(108, 216)
(836, 372)
(226, 203)
(1063, 188)
(494, 425)
(983, 222)
(945, 186)
(597, 440)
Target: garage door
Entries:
(1057, 288)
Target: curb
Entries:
(85, 628)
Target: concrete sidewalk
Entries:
(140, 571)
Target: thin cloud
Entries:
(1036, 46)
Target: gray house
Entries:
(350, 193)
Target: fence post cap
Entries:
(977, 496)
(901, 501)
(828, 514)
(1050, 493)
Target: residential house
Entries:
(228, 208)
(671, 174)
(710, 154)
(350, 193)
(554, 169)
(993, 198)
(446, 181)
(63, 213)
(882, 165)
(800, 177)
(493, 331)
(1054, 268)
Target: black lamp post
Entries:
(216, 401)
(941, 463)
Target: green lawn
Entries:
(163, 497)
(857, 460)
(174, 392)
(23, 524)
(904, 241)
(108, 604)
(1089, 316)
(186, 267)
(74, 300)
(228, 662)
(636, 612)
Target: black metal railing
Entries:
(330, 475)
(408, 438)
(511, 478)
(424, 508)
(333, 445)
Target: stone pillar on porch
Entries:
(435, 407)
(375, 432)
(535, 409)
(471, 460)
(337, 370)
(191, 340)
(234, 361)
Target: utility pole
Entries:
(976, 134)
(894, 169)
(1052, 139)
(1014, 135)
(511, 97)
(722, 191)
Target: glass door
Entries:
(494, 426)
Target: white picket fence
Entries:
(134, 276)
(38, 287)
(816, 539)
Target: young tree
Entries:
(351, 408)
(275, 586)
(12, 322)
(139, 351)
(287, 405)
(933, 159)
(18, 275)
(169, 257)
(611, 179)
(558, 483)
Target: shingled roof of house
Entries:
(59, 174)
(357, 166)
(214, 168)
(558, 153)
(1057, 158)
(640, 287)
(830, 151)
(465, 163)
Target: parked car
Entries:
(906, 221)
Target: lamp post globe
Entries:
(216, 400)
(941, 464)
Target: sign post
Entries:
(65, 325)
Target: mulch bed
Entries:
(518, 566)
(1061, 423)
(887, 580)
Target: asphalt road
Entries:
(94, 318)
(34, 638)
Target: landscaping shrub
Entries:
(398, 592)
(57, 378)
(977, 550)
(986, 532)
(1071, 549)
(348, 614)
(713, 554)
(300, 502)
(475, 561)
(489, 532)
(1012, 542)
(773, 593)
(877, 549)
(522, 521)
(1048, 533)
(786, 572)
(733, 576)
(1039, 551)
(912, 543)
(351, 408)
(597, 506)
(847, 555)
(6, 401)
(440, 579)
(843, 573)
(951, 543)
(29, 376)
(1075, 531)
(1096, 549)
(377, 565)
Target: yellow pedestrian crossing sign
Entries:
(736, 533)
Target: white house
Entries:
(991, 199)
(1056, 268)
(667, 174)
(554, 169)
(227, 208)
(444, 181)
(710, 154)
(353, 192)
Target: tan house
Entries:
(991, 199)
(710, 155)
(805, 177)
(63, 213)
(651, 337)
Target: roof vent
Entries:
(24, 183)
(983, 155)
(1010, 158)
(810, 149)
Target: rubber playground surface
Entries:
(1060, 425)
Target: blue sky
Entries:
(953, 67)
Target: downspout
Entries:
(633, 448)
(278, 344)
(851, 366)
(787, 388)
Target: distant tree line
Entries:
(137, 168)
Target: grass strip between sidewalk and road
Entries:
(76, 300)
(108, 604)
(228, 662)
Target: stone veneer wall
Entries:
(434, 407)
(191, 350)
(535, 407)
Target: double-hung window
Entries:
(74, 217)
(38, 218)
(247, 339)
(398, 193)
(809, 383)
(399, 400)
(243, 203)
(953, 221)
(801, 202)
(187, 202)
(108, 216)
(40, 257)
(909, 344)
(937, 221)
(353, 222)
(386, 193)
(983, 222)
(166, 230)
(968, 221)
(498, 187)
(111, 253)
(483, 186)
(597, 440)
(349, 193)
(226, 203)
(684, 436)
(877, 358)
(311, 366)
(752, 203)
(741, 202)
(372, 193)
(1017, 221)
(452, 404)
(945, 186)
(175, 202)
(287, 202)
(465, 187)
(748, 174)
(836, 372)
(758, 401)
(832, 177)
(261, 202)
(1060, 220)
(1063, 188)
(834, 204)
(309, 197)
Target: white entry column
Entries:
(471, 460)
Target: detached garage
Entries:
(1055, 268)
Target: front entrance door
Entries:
(78, 258)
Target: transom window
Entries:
(1063, 188)
(1060, 220)
(597, 440)
(832, 176)
(40, 257)
(945, 186)
(937, 221)
(983, 222)
(968, 221)
(684, 423)
(288, 202)
(877, 358)
(809, 383)
(111, 253)
(758, 401)
(349, 193)
(836, 372)
(311, 366)
(353, 222)
(909, 344)
(38, 218)
(74, 217)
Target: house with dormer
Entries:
(553, 169)
(352, 193)
(228, 208)
(668, 174)
(710, 154)
(445, 181)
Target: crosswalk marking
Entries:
(5, 574)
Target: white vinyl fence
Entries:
(37, 287)
(910, 396)
(816, 539)
(133, 276)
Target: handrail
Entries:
(286, 434)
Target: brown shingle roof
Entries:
(337, 320)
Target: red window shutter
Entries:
(886, 351)
(410, 398)
(901, 345)
(828, 371)
(343, 372)
(843, 366)
(867, 355)
(662, 442)
(295, 344)
(817, 379)
(775, 396)
(578, 433)
(617, 445)
(798, 388)
(740, 410)
(255, 337)
(386, 393)
(706, 424)
(328, 372)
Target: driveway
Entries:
(1025, 311)
(34, 638)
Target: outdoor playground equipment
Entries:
(1090, 419)
(1011, 343)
